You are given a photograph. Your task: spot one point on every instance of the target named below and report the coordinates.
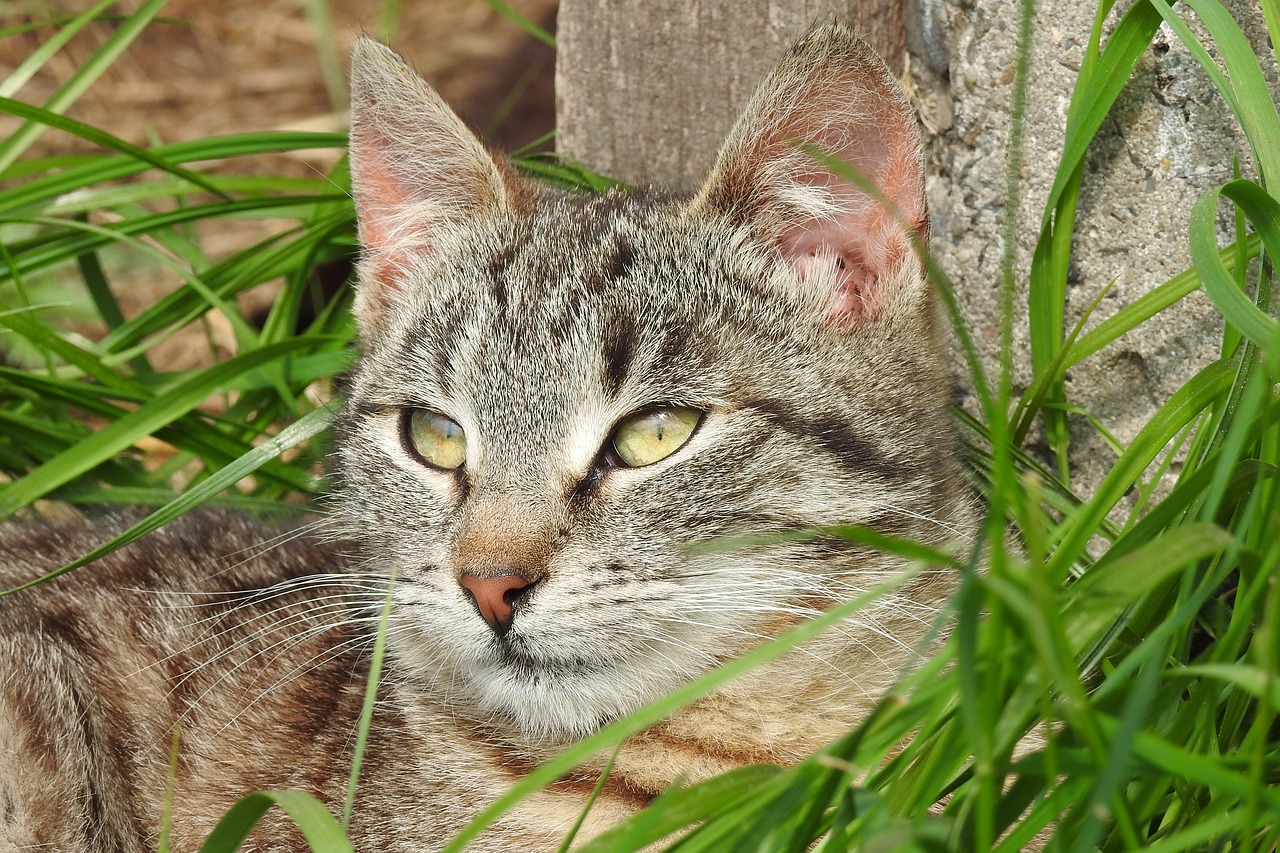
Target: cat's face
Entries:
(566, 405)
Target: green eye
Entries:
(437, 440)
(654, 434)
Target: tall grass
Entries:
(1111, 683)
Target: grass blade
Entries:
(680, 807)
(292, 436)
(102, 445)
(1264, 212)
(33, 63)
(122, 35)
(322, 832)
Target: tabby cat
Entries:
(558, 395)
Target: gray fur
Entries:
(779, 300)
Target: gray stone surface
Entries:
(1169, 139)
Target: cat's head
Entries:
(563, 399)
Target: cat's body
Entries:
(266, 687)
(564, 402)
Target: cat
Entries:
(558, 396)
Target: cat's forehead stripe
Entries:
(498, 271)
(618, 353)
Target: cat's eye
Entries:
(438, 441)
(654, 434)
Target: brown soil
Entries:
(234, 66)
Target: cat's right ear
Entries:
(415, 169)
(852, 246)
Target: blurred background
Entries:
(205, 68)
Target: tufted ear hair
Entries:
(831, 93)
(415, 168)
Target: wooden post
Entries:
(647, 89)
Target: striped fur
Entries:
(780, 300)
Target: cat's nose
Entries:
(495, 597)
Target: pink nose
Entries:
(495, 597)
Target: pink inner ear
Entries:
(849, 234)
(857, 248)
(852, 257)
(815, 259)
(382, 196)
(377, 193)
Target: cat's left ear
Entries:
(831, 93)
(415, 170)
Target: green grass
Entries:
(1140, 646)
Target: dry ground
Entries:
(244, 65)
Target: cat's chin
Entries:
(558, 700)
